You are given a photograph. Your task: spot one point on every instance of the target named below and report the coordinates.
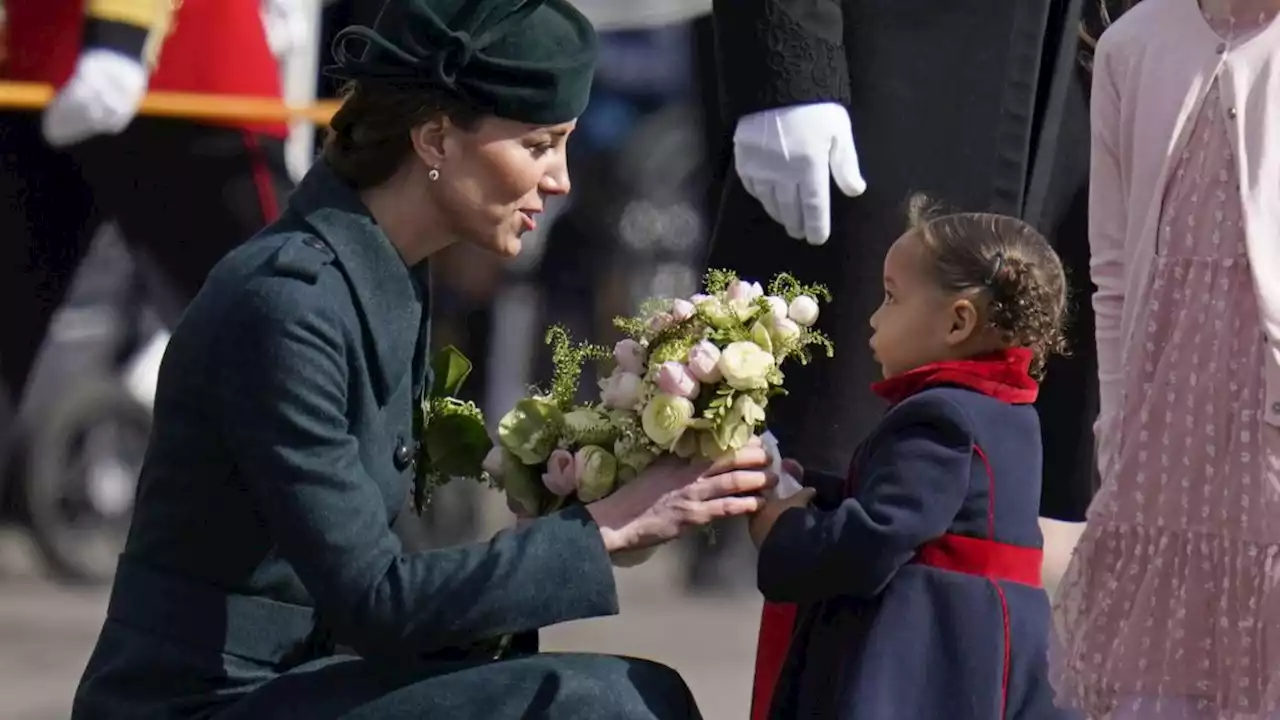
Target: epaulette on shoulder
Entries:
(303, 257)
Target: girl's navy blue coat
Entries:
(917, 577)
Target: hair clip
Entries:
(996, 268)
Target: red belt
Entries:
(983, 558)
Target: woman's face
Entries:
(495, 177)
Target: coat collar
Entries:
(1003, 375)
(390, 295)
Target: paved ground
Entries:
(47, 632)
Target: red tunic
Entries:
(216, 46)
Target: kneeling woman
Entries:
(284, 423)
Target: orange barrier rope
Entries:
(187, 106)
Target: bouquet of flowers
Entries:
(692, 378)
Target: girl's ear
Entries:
(964, 322)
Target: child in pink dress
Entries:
(1170, 608)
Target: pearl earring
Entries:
(434, 174)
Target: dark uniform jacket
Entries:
(917, 577)
(979, 104)
(283, 451)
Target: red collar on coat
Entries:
(1004, 375)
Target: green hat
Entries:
(524, 60)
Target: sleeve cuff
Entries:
(124, 38)
(581, 584)
(779, 566)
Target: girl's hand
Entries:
(762, 522)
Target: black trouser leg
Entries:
(48, 217)
(185, 194)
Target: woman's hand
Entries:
(671, 495)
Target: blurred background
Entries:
(644, 164)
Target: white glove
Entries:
(784, 157)
(285, 22)
(787, 485)
(101, 98)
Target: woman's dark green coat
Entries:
(262, 537)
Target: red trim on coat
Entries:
(1004, 375)
(1008, 647)
(262, 181)
(777, 627)
(991, 492)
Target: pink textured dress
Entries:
(1170, 607)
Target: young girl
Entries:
(917, 578)
(1169, 608)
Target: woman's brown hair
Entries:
(1009, 263)
(368, 138)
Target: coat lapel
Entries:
(388, 294)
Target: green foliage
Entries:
(717, 281)
(450, 369)
(787, 287)
(452, 438)
(719, 406)
(567, 360)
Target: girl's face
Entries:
(919, 323)
(495, 177)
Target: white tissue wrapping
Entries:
(787, 485)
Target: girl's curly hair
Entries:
(1009, 263)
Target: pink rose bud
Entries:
(660, 322)
(561, 476)
(681, 310)
(744, 291)
(704, 362)
(675, 379)
(777, 306)
(621, 390)
(630, 356)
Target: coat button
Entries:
(1222, 48)
(1275, 408)
(403, 455)
(1231, 113)
(313, 243)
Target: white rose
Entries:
(777, 307)
(746, 366)
(665, 418)
(621, 390)
(785, 331)
(744, 291)
(804, 310)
